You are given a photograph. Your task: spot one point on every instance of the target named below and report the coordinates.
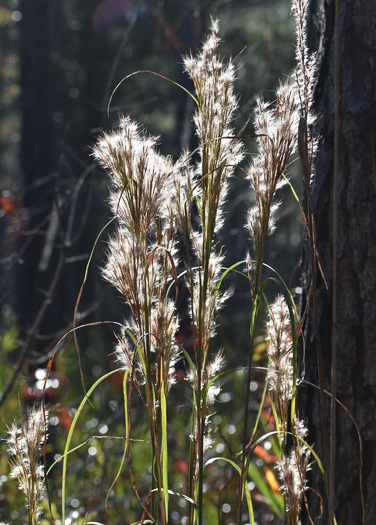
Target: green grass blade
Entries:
(70, 434)
(275, 415)
(314, 454)
(245, 486)
(291, 188)
(227, 271)
(164, 447)
(94, 246)
(256, 305)
(191, 364)
(226, 460)
(249, 503)
(127, 443)
(86, 442)
(262, 401)
(158, 75)
(179, 495)
(276, 502)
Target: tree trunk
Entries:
(356, 257)
(39, 153)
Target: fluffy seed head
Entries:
(292, 469)
(24, 444)
(306, 63)
(277, 132)
(213, 81)
(277, 139)
(279, 349)
(139, 175)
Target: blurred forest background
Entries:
(60, 62)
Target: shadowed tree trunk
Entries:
(356, 259)
(39, 152)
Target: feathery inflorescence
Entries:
(213, 81)
(141, 262)
(306, 68)
(220, 152)
(142, 253)
(294, 460)
(152, 199)
(279, 349)
(292, 469)
(24, 444)
(156, 202)
(277, 131)
(305, 80)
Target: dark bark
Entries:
(356, 283)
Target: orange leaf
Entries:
(272, 480)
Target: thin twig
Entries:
(333, 371)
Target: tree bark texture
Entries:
(356, 260)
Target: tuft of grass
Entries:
(168, 214)
(24, 445)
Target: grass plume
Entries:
(24, 447)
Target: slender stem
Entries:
(313, 265)
(200, 420)
(153, 420)
(255, 306)
(209, 216)
(192, 462)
